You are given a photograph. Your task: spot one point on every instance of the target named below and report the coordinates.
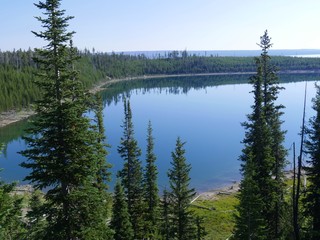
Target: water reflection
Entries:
(206, 112)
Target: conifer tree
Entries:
(180, 195)
(262, 189)
(165, 220)
(201, 231)
(11, 224)
(312, 145)
(273, 115)
(61, 153)
(36, 221)
(103, 174)
(120, 222)
(131, 174)
(151, 192)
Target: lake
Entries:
(206, 112)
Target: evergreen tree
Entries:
(312, 145)
(120, 222)
(151, 192)
(262, 189)
(36, 221)
(180, 196)
(165, 219)
(12, 226)
(61, 153)
(273, 113)
(103, 174)
(131, 174)
(201, 231)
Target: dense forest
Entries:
(17, 69)
(66, 150)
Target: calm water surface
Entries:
(205, 112)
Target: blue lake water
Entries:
(206, 112)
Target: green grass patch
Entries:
(219, 221)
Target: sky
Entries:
(153, 25)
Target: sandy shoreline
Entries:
(215, 193)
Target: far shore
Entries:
(225, 189)
(13, 116)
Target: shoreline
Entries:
(12, 116)
(213, 194)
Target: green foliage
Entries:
(17, 87)
(218, 216)
(151, 192)
(181, 218)
(17, 70)
(64, 149)
(312, 198)
(120, 222)
(261, 202)
(36, 221)
(201, 231)
(165, 216)
(12, 225)
(131, 174)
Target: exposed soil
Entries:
(12, 116)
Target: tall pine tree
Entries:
(180, 196)
(263, 157)
(312, 145)
(61, 153)
(131, 174)
(273, 113)
(120, 222)
(151, 192)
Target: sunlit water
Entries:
(208, 118)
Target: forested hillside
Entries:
(17, 69)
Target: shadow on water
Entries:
(13, 132)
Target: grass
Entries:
(218, 222)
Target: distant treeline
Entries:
(17, 69)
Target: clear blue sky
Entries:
(132, 25)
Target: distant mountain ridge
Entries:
(230, 53)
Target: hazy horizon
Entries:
(122, 26)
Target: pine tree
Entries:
(201, 231)
(120, 222)
(12, 226)
(180, 195)
(312, 145)
(151, 192)
(262, 189)
(61, 153)
(273, 115)
(131, 174)
(165, 228)
(36, 221)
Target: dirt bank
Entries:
(12, 116)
